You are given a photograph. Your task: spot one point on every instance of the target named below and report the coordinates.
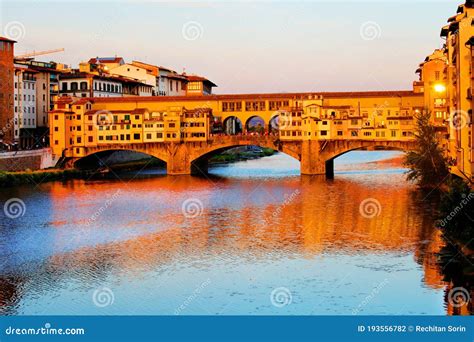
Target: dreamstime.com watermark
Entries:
(47, 330)
(197, 291)
(370, 30)
(370, 208)
(459, 296)
(288, 200)
(375, 291)
(280, 297)
(14, 208)
(464, 202)
(103, 208)
(192, 208)
(192, 30)
(103, 297)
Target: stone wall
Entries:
(22, 160)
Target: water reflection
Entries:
(255, 234)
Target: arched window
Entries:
(83, 85)
(73, 85)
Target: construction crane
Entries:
(38, 53)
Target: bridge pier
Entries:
(311, 163)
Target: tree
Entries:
(427, 163)
(456, 217)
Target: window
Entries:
(339, 133)
(56, 129)
(136, 136)
(232, 106)
(83, 85)
(354, 134)
(254, 106)
(90, 139)
(74, 86)
(275, 105)
(148, 136)
(324, 132)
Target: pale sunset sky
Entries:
(243, 46)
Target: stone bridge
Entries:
(316, 156)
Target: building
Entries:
(6, 92)
(458, 81)
(107, 63)
(85, 84)
(25, 106)
(198, 85)
(124, 122)
(170, 83)
(47, 90)
(432, 84)
(135, 72)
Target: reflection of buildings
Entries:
(305, 217)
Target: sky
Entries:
(243, 46)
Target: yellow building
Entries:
(79, 125)
(458, 78)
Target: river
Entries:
(252, 238)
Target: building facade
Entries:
(6, 92)
(458, 83)
(122, 122)
(25, 106)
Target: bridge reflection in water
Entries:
(252, 235)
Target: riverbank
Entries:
(241, 154)
(8, 179)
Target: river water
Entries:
(252, 238)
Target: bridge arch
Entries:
(232, 125)
(273, 123)
(255, 124)
(335, 149)
(98, 158)
(200, 161)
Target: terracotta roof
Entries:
(195, 78)
(265, 96)
(105, 60)
(5, 39)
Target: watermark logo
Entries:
(458, 296)
(14, 208)
(280, 297)
(459, 119)
(103, 208)
(14, 30)
(192, 207)
(284, 120)
(375, 291)
(458, 209)
(370, 208)
(192, 30)
(104, 118)
(103, 297)
(192, 297)
(277, 212)
(370, 30)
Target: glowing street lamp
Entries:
(440, 88)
